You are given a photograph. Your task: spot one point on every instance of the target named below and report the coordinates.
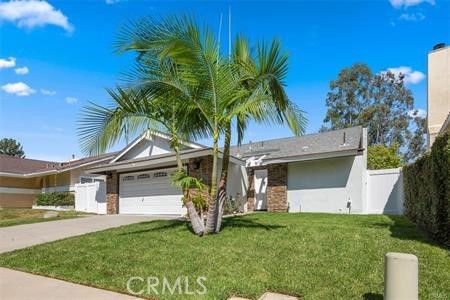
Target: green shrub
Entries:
(56, 199)
(427, 190)
(383, 157)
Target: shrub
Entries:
(427, 190)
(56, 199)
(383, 157)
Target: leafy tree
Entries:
(382, 157)
(11, 147)
(380, 102)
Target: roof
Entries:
(155, 160)
(147, 135)
(336, 141)
(31, 167)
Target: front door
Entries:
(260, 178)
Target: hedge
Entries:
(427, 190)
(56, 199)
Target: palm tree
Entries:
(265, 71)
(147, 107)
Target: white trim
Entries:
(8, 190)
(148, 136)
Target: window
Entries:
(159, 174)
(143, 176)
(85, 179)
(128, 178)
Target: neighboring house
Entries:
(22, 178)
(438, 91)
(323, 172)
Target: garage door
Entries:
(149, 193)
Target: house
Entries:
(22, 178)
(323, 172)
(438, 100)
(138, 177)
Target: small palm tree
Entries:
(136, 110)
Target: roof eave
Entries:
(313, 156)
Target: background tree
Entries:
(380, 102)
(382, 157)
(11, 147)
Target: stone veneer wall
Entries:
(276, 188)
(112, 193)
(205, 168)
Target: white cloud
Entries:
(111, 1)
(412, 17)
(47, 92)
(407, 3)
(411, 76)
(22, 70)
(18, 89)
(418, 112)
(9, 62)
(71, 100)
(33, 13)
(51, 128)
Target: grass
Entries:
(18, 216)
(315, 256)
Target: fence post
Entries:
(401, 276)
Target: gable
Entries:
(150, 144)
(146, 148)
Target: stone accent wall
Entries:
(112, 193)
(276, 188)
(204, 169)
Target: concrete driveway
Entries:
(22, 236)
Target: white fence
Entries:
(91, 197)
(385, 191)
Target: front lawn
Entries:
(17, 216)
(316, 256)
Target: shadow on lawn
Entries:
(239, 222)
(372, 296)
(402, 228)
(175, 224)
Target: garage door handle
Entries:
(142, 200)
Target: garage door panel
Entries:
(149, 193)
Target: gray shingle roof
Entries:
(324, 142)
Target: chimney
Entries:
(73, 156)
(439, 46)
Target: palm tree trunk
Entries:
(222, 190)
(196, 221)
(211, 219)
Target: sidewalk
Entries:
(15, 285)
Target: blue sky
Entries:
(67, 51)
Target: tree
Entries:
(209, 90)
(11, 147)
(382, 157)
(380, 102)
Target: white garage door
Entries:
(149, 193)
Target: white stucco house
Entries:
(323, 172)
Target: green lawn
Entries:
(316, 256)
(17, 216)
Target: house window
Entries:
(159, 174)
(143, 176)
(84, 179)
(128, 178)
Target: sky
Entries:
(55, 56)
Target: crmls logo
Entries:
(154, 286)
